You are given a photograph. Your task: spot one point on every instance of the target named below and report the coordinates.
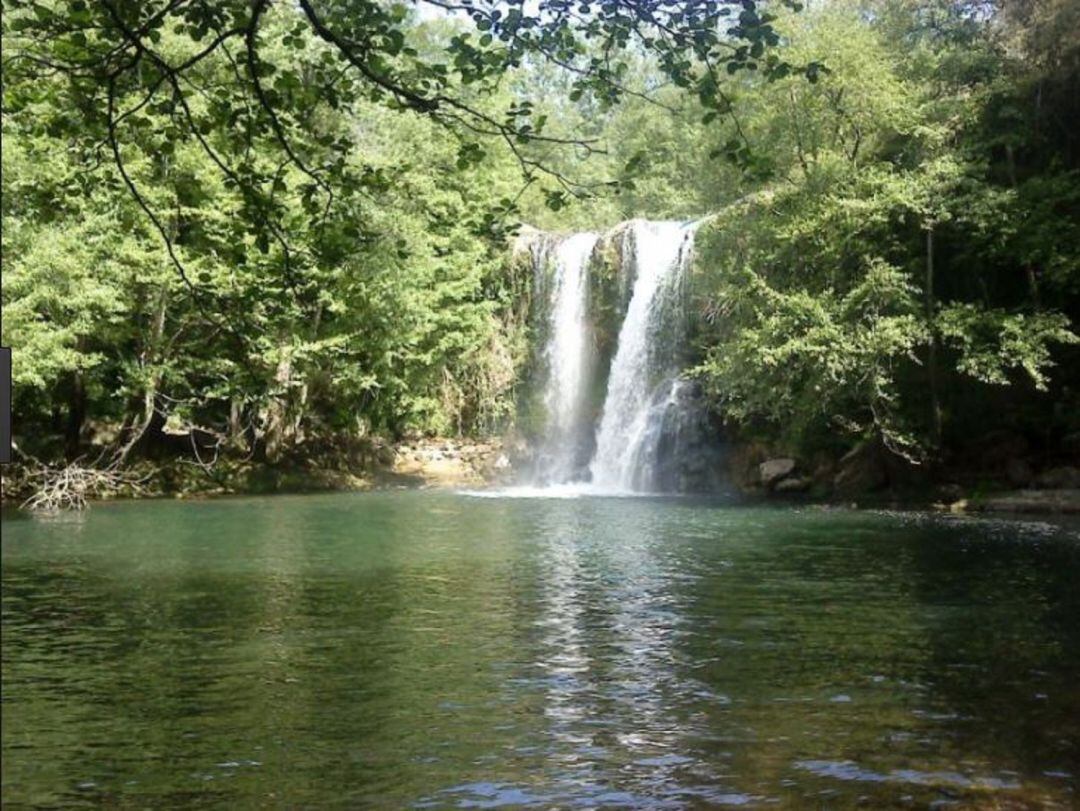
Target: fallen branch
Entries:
(70, 487)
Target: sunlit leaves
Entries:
(993, 343)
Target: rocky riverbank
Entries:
(999, 472)
(449, 463)
(1002, 477)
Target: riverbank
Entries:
(998, 472)
(342, 465)
(447, 462)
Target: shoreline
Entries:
(435, 465)
(750, 476)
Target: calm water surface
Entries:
(435, 650)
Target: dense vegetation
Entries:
(911, 271)
(274, 222)
(256, 226)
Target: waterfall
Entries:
(652, 432)
(661, 250)
(566, 355)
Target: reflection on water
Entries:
(434, 650)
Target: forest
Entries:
(275, 232)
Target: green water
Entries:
(434, 650)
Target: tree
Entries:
(895, 263)
(288, 63)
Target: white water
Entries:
(567, 356)
(661, 249)
(627, 437)
(550, 491)
(644, 462)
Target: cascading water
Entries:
(661, 251)
(679, 449)
(567, 357)
(652, 433)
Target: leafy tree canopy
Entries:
(290, 63)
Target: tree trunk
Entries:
(301, 405)
(76, 414)
(1033, 285)
(931, 353)
(1029, 269)
(236, 423)
(276, 420)
(141, 425)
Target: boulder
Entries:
(385, 455)
(862, 470)
(743, 463)
(824, 469)
(794, 484)
(773, 470)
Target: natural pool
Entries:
(429, 650)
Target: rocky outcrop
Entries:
(1010, 461)
(611, 278)
(755, 471)
(794, 484)
(743, 461)
(861, 470)
(450, 462)
(683, 448)
(771, 471)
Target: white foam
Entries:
(555, 491)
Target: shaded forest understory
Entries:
(246, 259)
